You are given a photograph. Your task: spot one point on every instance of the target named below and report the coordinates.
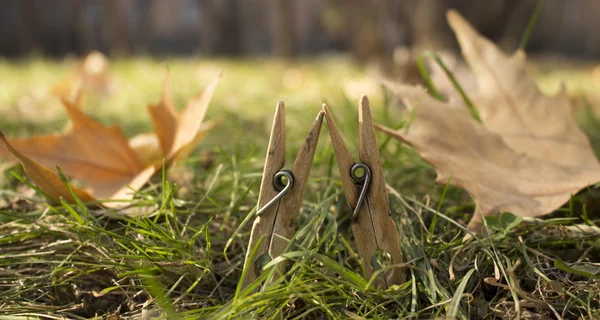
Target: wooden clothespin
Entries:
(373, 227)
(279, 200)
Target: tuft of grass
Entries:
(183, 258)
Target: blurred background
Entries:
(285, 27)
(301, 51)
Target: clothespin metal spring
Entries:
(280, 186)
(364, 180)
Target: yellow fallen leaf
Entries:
(55, 189)
(47, 180)
(147, 146)
(201, 133)
(178, 132)
(528, 157)
(96, 155)
(102, 159)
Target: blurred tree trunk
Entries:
(115, 28)
(287, 27)
(85, 40)
(592, 39)
(144, 29)
(516, 22)
(282, 26)
(220, 26)
(393, 23)
(29, 17)
(362, 35)
(428, 22)
(210, 21)
(310, 32)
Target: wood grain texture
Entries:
(263, 224)
(362, 228)
(290, 205)
(387, 235)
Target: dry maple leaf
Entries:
(97, 156)
(511, 104)
(178, 131)
(48, 181)
(528, 157)
(147, 146)
(101, 157)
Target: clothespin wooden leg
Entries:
(279, 203)
(388, 236)
(373, 227)
(290, 205)
(263, 224)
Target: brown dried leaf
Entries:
(102, 159)
(179, 132)
(510, 103)
(527, 158)
(147, 148)
(96, 155)
(47, 180)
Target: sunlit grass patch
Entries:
(185, 258)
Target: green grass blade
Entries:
(561, 265)
(454, 308)
(468, 103)
(427, 77)
(531, 25)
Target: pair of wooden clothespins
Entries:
(280, 199)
